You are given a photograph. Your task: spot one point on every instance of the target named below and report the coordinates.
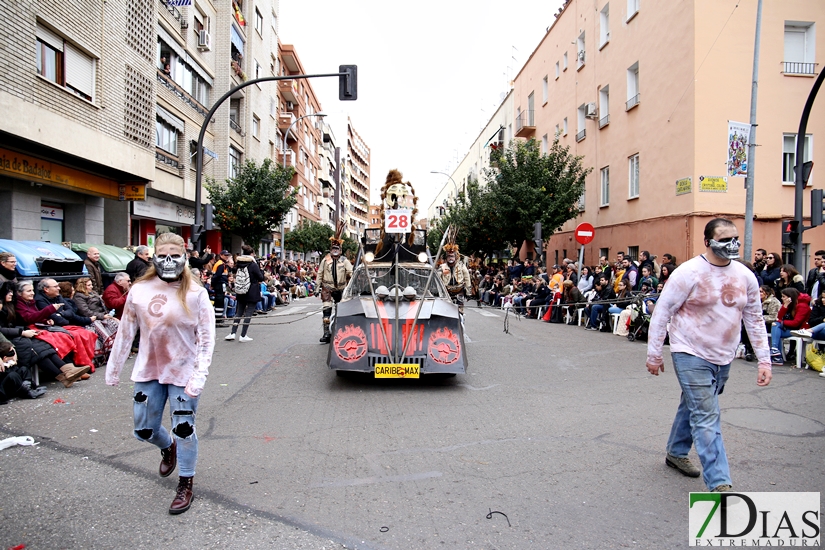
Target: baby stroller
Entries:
(640, 313)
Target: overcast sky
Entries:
(430, 73)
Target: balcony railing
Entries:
(581, 135)
(235, 126)
(632, 102)
(163, 158)
(525, 124)
(604, 121)
(797, 67)
(183, 95)
(172, 10)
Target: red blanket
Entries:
(79, 340)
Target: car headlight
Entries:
(369, 257)
(409, 293)
(423, 258)
(382, 292)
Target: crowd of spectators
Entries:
(608, 291)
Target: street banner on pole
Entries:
(738, 136)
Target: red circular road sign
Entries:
(585, 233)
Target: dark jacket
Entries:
(67, 315)
(136, 268)
(94, 275)
(817, 314)
(198, 263)
(770, 275)
(814, 275)
(796, 283)
(606, 294)
(255, 278)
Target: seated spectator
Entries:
(70, 339)
(665, 271)
(793, 315)
(604, 297)
(115, 294)
(770, 306)
(648, 277)
(48, 293)
(542, 296)
(556, 279)
(816, 321)
(773, 265)
(525, 293)
(585, 280)
(90, 304)
(572, 297)
(15, 379)
(622, 299)
(483, 287)
(789, 277)
(32, 351)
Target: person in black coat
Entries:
(139, 264)
(48, 293)
(248, 279)
(196, 261)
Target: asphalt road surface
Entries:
(559, 430)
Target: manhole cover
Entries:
(774, 422)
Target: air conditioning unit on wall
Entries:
(590, 111)
(204, 41)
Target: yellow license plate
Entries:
(400, 370)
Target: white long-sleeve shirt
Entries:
(175, 345)
(706, 305)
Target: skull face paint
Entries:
(451, 258)
(335, 251)
(170, 266)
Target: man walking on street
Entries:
(705, 301)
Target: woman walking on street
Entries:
(248, 279)
(177, 338)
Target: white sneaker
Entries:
(244, 339)
(229, 336)
(805, 333)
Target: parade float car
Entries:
(395, 318)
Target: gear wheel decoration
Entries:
(444, 347)
(350, 343)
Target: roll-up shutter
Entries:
(170, 119)
(80, 70)
(49, 37)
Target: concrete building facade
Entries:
(645, 92)
(356, 182)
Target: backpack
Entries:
(242, 281)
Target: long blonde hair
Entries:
(186, 276)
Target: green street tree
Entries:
(311, 236)
(253, 203)
(527, 187)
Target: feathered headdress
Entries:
(338, 239)
(450, 246)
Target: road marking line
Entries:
(290, 311)
(486, 313)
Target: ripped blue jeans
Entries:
(149, 401)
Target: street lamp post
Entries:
(283, 151)
(451, 179)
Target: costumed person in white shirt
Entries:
(334, 273)
(177, 338)
(454, 273)
(705, 301)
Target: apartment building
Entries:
(330, 157)
(356, 182)
(644, 91)
(76, 138)
(497, 133)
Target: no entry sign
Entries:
(585, 233)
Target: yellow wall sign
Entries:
(684, 186)
(18, 165)
(713, 184)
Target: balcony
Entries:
(604, 121)
(235, 126)
(799, 68)
(632, 102)
(289, 90)
(581, 135)
(526, 124)
(285, 120)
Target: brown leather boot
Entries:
(71, 374)
(168, 459)
(183, 497)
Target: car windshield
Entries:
(415, 277)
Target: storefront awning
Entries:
(38, 170)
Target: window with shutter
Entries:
(80, 72)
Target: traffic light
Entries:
(348, 82)
(209, 217)
(790, 232)
(817, 207)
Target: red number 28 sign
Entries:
(397, 221)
